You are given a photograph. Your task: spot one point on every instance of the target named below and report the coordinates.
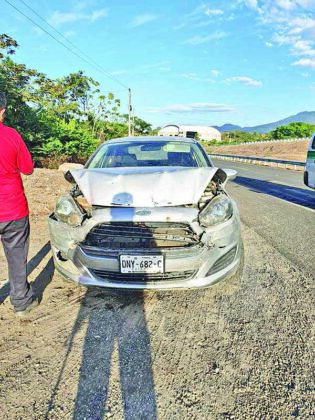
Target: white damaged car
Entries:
(147, 213)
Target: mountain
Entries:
(306, 117)
(228, 127)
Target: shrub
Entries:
(69, 141)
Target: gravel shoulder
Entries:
(218, 353)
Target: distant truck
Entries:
(309, 173)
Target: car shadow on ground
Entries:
(43, 278)
(114, 320)
(294, 195)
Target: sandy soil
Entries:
(229, 352)
(289, 150)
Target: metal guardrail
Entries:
(287, 164)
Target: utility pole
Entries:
(129, 113)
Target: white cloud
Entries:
(197, 39)
(303, 48)
(301, 24)
(142, 19)
(269, 44)
(59, 18)
(305, 62)
(291, 23)
(203, 16)
(286, 4)
(97, 14)
(197, 107)
(213, 12)
(281, 39)
(215, 72)
(203, 24)
(245, 80)
(189, 75)
(80, 5)
(251, 3)
(307, 4)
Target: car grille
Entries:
(131, 278)
(223, 262)
(129, 235)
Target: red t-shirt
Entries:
(14, 159)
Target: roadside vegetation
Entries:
(63, 119)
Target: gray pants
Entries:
(15, 239)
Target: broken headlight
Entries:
(217, 211)
(67, 211)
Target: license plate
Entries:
(141, 264)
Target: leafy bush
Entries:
(70, 140)
(293, 130)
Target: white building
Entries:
(204, 132)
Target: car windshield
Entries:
(149, 153)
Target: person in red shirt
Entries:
(14, 220)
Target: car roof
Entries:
(151, 139)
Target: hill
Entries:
(306, 117)
(228, 127)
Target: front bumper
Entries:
(215, 257)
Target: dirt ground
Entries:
(288, 150)
(222, 353)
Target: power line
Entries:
(89, 61)
(72, 44)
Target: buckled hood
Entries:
(143, 187)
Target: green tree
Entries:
(230, 137)
(16, 81)
(141, 127)
(102, 110)
(66, 97)
(293, 130)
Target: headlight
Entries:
(217, 211)
(68, 212)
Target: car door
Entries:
(310, 163)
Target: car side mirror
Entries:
(231, 174)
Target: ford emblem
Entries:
(143, 212)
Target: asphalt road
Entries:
(279, 207)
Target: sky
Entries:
(245, 62)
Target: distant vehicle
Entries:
(309, 174)
(147, 213)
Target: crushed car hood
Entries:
(143, 187)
